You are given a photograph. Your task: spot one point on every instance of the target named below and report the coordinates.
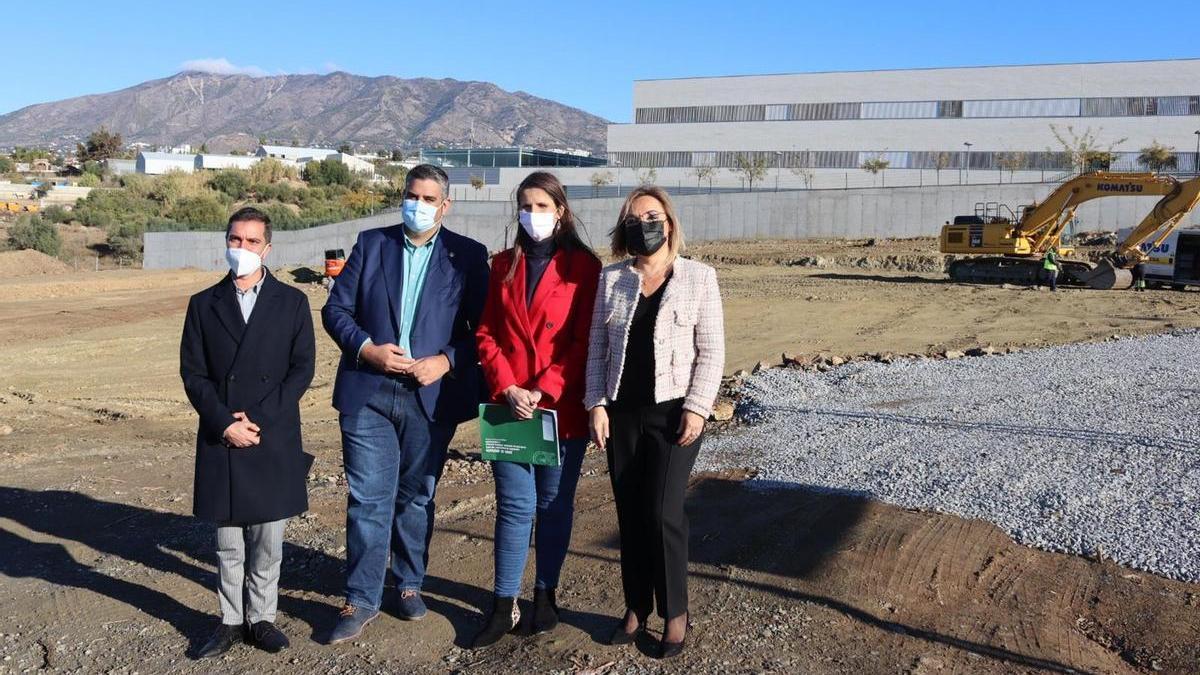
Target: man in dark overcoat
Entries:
(246, 357)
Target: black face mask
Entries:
(644, 238)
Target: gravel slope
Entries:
(1088, 449)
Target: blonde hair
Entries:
(674, 237)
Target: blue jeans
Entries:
(526, 491)
(393, 456)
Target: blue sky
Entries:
(585, 54)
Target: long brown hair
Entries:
(566, 235)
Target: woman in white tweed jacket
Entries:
(655, 357)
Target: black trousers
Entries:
(649, 476)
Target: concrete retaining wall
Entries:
(799, 214)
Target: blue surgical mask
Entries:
(418, 216)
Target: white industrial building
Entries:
(157, 163)
(295, 154)
(941, 124)
(217, 162)
(120, 167)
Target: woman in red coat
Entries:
(533, 343)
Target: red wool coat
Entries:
(543, 346)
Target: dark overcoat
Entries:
(261, 368)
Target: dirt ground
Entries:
(102, 569)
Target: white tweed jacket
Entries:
(689, 335)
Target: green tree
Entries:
(33, 232)
(203, 148)
(345, 149)
(751, 169)
(477, 182)
(1157, 157)
(397, 155)
(232, 182)
(100, 145)
(327, 172)
(89, 180)
(6, 165)
(93, 167)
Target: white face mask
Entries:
(539, 226)
(242, 261)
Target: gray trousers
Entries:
(248, 561)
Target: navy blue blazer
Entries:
(365, 302)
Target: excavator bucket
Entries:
(1107, 277)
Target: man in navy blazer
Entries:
(404, 312)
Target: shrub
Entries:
(204, 211)
(271, 171)
(89, 180)
(232, 182)
(33, 232)
(56, 214)
(327, 172)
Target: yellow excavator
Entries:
(1017, 242)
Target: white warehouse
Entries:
(157, 163)
(978, 124)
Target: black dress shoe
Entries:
(504, 619)
(221, 641)
(267, 637)
(545, 610)
(620, 637)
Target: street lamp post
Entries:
(617, 162)
(1196, 157)
(968, 144)
(778, 154)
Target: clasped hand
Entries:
(522, 401)
(391, 359)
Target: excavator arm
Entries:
(1166, 216)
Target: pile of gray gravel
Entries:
(1088, 449)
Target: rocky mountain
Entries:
(234, 111)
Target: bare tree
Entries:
(599, 180)
(704, 173)
(940, 161)
(1084, 150)
(804, 173)
(647, 177)
(875, 165)
(477, 182)
(750, 168)
(1011, 161)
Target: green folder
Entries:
(507, 439)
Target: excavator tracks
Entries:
(1013, 270)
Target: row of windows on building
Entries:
(1120, 106)
(854, 159)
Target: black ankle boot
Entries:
(504, 619)
(545, 610)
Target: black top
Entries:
(637, 377)
(537, 259)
